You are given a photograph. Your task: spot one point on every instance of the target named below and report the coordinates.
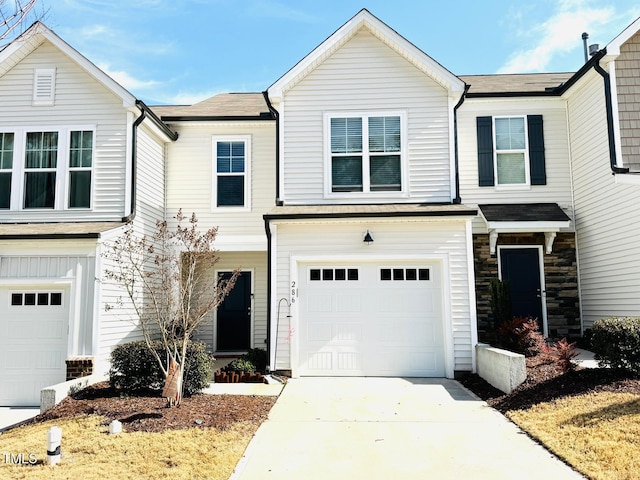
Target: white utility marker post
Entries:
(54, 439)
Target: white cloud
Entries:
(558, 35)
(275, 9)
(129, 82)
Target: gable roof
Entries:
(224, 106)
(35, 35)
(364, 19)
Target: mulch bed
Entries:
(148, 412)
(545, 383)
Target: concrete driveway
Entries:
(391, 428)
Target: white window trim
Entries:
(44, 73)
(61, 202)
(366, 194)
(247, 173)
(527, 174)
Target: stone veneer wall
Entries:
(561, 279)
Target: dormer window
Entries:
(44, 86)
(366, 153)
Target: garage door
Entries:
(371, 320)
(33, 342)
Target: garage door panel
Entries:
(33, 345)
(381, 323)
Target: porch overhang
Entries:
(547, 218)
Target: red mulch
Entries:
(147, 412)
(545, 383)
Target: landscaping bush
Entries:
(521, 335)
(562, 353)
(500, 301)
(257, 356)
(134, 368)
(241, 365)
(616, 343)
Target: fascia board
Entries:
(613, 48)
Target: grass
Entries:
(89, 452)
(597, 433)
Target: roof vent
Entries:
(593, 49)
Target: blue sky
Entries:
(182, 51)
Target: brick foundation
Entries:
(560, 274)
(79, 367)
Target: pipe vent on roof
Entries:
(593, 49)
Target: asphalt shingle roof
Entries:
(524, 212)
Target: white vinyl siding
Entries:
(79, 100)
(190, 176)
(607, 233)
(558, 172)
(365, 75)
(418, 240)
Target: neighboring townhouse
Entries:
(223, 169)
(79, 158)
(603, 106)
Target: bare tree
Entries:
(14, 15)
(166, 277)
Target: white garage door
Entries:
(33, 342)
(371, 320)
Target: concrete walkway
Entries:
(383, 428)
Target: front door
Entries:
(521, 266)
(234, 316)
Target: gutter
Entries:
(144, 113)
(276, 116)
(310, 216)
(457, 200)
(218, 118)
(269, 292)
(609, 107)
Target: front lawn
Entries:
(590, 417)
(202, 438)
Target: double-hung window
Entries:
(6, 166)
(80, 164)
(40, 169)
(46, 168)
(511, 151)
(231, 165)
(366, 153)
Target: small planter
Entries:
(221, 376)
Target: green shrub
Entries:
(134, 368)
(241, 365)
(257, 356)
(500, 301)
(616, 343)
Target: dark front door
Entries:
(234, 316)
(521, 266)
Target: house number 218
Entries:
(293, 292)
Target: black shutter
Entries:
(536, 150)
(485, 151)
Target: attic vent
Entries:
(44, 86)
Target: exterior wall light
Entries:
(368, 239)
